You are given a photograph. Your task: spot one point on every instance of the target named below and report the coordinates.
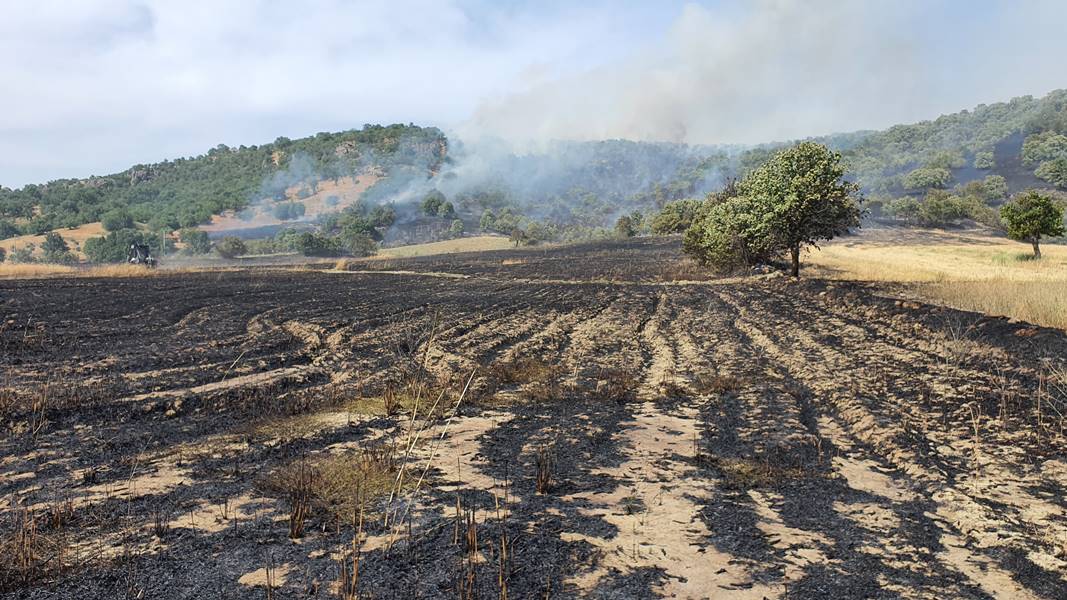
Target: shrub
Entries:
(456, 229)
(55, 249)
(196, 241)
(230, 246)
(675, 217)
(114, 220)
(287, 211)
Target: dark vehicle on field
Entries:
(140, 254)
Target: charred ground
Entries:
(627, 432)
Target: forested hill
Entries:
(1000, 148)
(1024, 141)
(187, 191)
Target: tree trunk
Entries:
(795, 254)
(1037, 247)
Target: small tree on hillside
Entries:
(196, 241)
(229, 247)
(803, 198)
(1031, 215)
(55, 249)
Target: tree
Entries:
(803, 198)
(8, 230)
(925, 178)
(456, 229)
(55, 249)
(488, 221)
(196, 241)
(3, 255)
(114, 220)
(675, 217)
(1054, 171)
(984, 160)
(230, 246)
(624, 226)
(1031, 215)
(431, 203)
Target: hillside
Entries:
(569, 190)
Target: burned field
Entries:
(583, 421)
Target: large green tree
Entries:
(1032, 215)
(802, 198)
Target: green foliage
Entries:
(188, 191)
(382, 216)
(112, 248)
(196, 241)
(8, 230)
(3, 255)
(360, 245)
(432, 203)
(1054, 171)
(114, 220)
(675, 217)
(446, 210)
(625, 226)
(287, 211)
(730, 234)
(984, 160)
(23, 254)
(456, 229)
(795, 199)
(316, 244)
(230, 247)
(1032, 215)
(55, 249)
(925, 178)
(486, 223)
(1042, 147)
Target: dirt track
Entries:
(742, 438)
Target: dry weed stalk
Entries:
(543, 470)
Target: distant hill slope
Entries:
(577, 185)
(186, 192)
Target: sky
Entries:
(95, 86)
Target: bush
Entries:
(727, 236)
(115, 220)
(287, 211)
(8, 230)
(675, 217)
(55, 249)
(984, 160)
(230, 247)
(23, 254)
(456, 229)
(927, 177)
(196, 241)
(316, 244)
(3, 255)
(361, 245)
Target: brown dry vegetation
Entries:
(573, 424)
(968, 270)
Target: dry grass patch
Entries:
(334, 489)
(1040, 302)
(478, 243)
(33, 270)
(971, 270)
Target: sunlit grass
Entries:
(970, 271)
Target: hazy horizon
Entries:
(97, 87)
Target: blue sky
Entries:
(91, 87)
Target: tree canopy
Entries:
(1032, 215)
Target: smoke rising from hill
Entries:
(786, 69)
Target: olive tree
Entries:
(1031, 215)
(803, 198)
